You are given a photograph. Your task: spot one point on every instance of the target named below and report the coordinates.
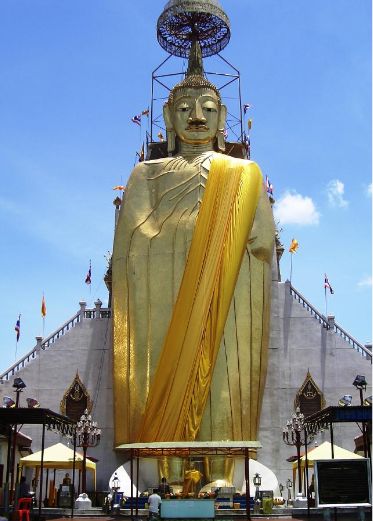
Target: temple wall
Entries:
(86, 348)
(300, 343)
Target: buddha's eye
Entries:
(183, 108)
(209, 107)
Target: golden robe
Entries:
(152, 241)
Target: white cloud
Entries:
(335, 190)
(369, 190)
(365, 282)
(293, 208)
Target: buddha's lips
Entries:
(197, 128)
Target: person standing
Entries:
(154, 501)
(163, 487)
(24, 487)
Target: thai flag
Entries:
(17, 327)
(88, 278)
(269, 186)
(327, 284)
(136, 119)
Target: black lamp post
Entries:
(116, 483)
(116, 487)
(257, 480)
(361, 384)
(89, 435)
(18, 385)
(294, 434)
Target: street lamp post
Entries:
(88, 435)
(18, 385)
(257, 480)
(294, 434)
(116, 500)
(360, 383)
(116, 483)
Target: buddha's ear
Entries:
(222, 117)
(167, 116)
(169, 128)
(221, 127)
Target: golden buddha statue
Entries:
(191, 282)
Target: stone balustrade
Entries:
(329, 323)
(98, 312)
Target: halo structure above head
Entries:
(183, 22)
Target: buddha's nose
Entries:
(196, 116)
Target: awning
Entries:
(336, 414)
(58, 456)
(189, 448)
(324, 452)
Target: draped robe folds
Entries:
(152, 241)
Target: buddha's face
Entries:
(195, 115)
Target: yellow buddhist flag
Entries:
(43, 307)
(293, 246)
(119, 187)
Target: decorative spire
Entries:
(194, 77)
(195, 64)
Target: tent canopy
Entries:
(57, 456)
(324, 451)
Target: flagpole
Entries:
(43, 327)
(15, 355)
(291, 266)
(326, 304)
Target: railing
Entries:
(92, 313)
(51, 339)
(365, 352)
(330, 324)
(83, 313)
(313, 311)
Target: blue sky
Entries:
(73, 75)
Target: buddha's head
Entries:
(194, 112)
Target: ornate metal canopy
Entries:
(184, 21)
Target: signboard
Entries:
(342, 482)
